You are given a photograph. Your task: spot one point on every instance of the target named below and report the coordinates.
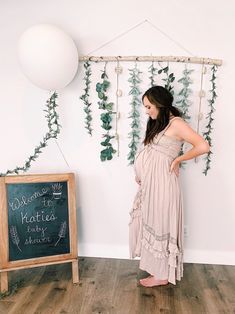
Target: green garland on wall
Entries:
(53, 130)
(153, 72)
(134, 114)
(106, 117)
(207, 134)
(85, 97)
(184, 103)
(170, 77)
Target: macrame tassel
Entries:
(201, 95)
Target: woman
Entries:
(156, 227)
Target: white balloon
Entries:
(48, 56)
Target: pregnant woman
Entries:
(156, 226)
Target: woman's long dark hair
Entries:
(162, 99)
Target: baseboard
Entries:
(190, 256)
(209, 257)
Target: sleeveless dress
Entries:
(156, 224)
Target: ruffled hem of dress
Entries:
(135, 233)
(163, 253)
(135, 227)
(162, 268)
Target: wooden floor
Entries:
(110, 286)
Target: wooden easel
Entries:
(72, 256)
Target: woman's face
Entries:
(151, 110)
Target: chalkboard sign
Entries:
(37, 222)
(37, 219)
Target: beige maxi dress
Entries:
(156, 224)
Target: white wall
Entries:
(105, 190)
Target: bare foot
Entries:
(151, 281)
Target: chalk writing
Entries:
(24, 201)
(14, 236)
(30, 240)
(38, 220)
(62, 232)
(37, 229)
(39, 217)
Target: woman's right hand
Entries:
(137, 180)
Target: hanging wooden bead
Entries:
(200, 116)
(118, 69)
(202, 93)
(119, 92)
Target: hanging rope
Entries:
(201, 95)
(192, 59)
(118, 71)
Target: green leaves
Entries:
(170, 77)
(164, 70)
(101, 88)
(85, 97)
(107, 154)
(153, 72)
(183, 102)
(209, 128)
(134, 113)
(105, 117)
(54, 129)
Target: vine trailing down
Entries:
(209, 128)
(85, 97)
(106, 116)
(168, 79)
(153, 73)
(134, 114)
(53, 131)
(183, 102)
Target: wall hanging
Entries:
(179, 74)
(181, 88)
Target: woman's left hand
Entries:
(175, 165)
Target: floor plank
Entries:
(110, 286)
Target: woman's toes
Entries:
(152, 282)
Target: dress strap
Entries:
(170, 123)
(164, 130)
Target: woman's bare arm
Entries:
(184, 131)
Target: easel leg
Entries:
(4, 281)
(75, 271)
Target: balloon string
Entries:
(62, 154)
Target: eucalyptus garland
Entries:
(184, 103)
(85, 97)
(106, 116)
(153, 72)
(170, 77)
(53, 130)
(209, 128)
(134, 114)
